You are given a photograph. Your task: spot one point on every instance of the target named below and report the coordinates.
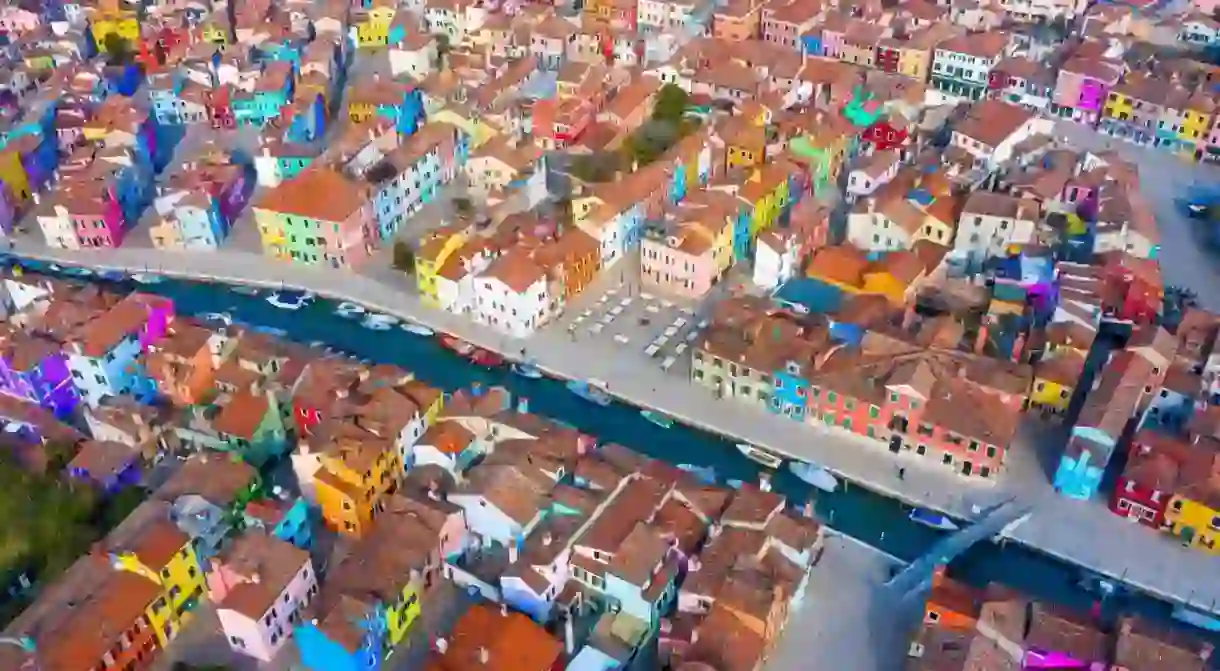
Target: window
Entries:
(1177, 506)
(984, 471)
(947, 459)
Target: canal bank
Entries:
(1167, 571)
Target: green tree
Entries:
(670, 104)
(404, 257)
(118, 506)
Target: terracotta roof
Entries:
(992, 121)
(317, 193)
(242, 414)
(488, 639)
(217, 478)
(267, 565)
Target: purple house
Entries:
(34, 369)
(106, 465)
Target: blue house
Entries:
(1102, 421)
(287, 520)
(326, 646)
(742, 244)
(791, 391)
(308, 121)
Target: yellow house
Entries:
(1195, 522)
(767, 191)
(474, 126)
(584, 206)
(271, 233)
(428, 399)
(745, 144)
(895, 276)
(841, 266)
(120, 23)
(435, 248)
(214, 32)
(1118, 106)
(373, 27)
(12, 173)
(1054, 381)
(149, 544)
(1197, 118)
(913, 62)
(358, 470)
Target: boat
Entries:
(147, 278)
(758, 455)
(931, 518)
(659, 418)
(379, 322)
(527, 370)
(112, 276)
(705, 474)
(1196, 617)
(592, 391)
(218, 317)
(289, 300)
(271, 331)
(456, 345)
(77, 271)
(484, 357)
(244, 290)
(815, 475)
(349, 310)
(417, 329)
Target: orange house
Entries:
(951, 605)
(576, 255)
(183, 364)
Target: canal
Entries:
(855, 511)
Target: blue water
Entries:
(878, 521)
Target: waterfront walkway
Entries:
(1083, 533)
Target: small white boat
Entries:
(244, 290)
(815, 475)
(77, 271)
(417, 329)
(526, 370)
(761, 456)
(933, 519)
(379, 322)
(705, 474)
(350, 310)
(147, 278)
(317, 344)
(217, 317)
(289, 300)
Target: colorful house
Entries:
(147, 543)
(1055, 380)
(250, 425)
(260, 585)
(318, 217)
(103, 355)
(351, 636)
(106, 26)
(434, 250)
(35, 369)
(829, 142)
(208, 494)
(287, 519)
(358, 470)
(1082, 87)
(372, 26)
(1157, 465)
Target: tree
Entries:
(670, 104)
(463, 206)
(596, 167)
(117, 48)
(404, 257)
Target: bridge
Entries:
(1000, 519)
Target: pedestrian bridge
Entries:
(1001, 518)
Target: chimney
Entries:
(484, 655)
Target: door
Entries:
(967, 468)
(895, 444)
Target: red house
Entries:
(887, 56)
(220, 108)
(1154, 469)
(1134, 291)
(883, 135)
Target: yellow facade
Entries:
(1195, 124)
(271, 233)
(359, 112)
(722, 248)
(125, 25)
(374, 30)
(349, 498)
(214, 34)
(12, 173)
(884, 284)
(1118, 106)
(432, 255)
(934, 230)
(399, 616)
(1195, 523)
(741, 157)
(180, 578)
(478, 131)
(914, 63)
(1052, 395)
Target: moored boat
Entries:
(659, 418)
(484, 357)
(761, 456)
(378, 322)
(417, 329)
(285, 299)
(931, 518)
(705, 474)
(526, 370)
(147, 278)
(455, 345)
(814, 475)
(349, 310)
(591, 391)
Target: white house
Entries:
(414, 55)
(873, 171)
(456, 279)
(57, 227)
(512, 295)
(1199, 30)
(990, 222)
(502, 163)
(502, 504)
(993, 128)
(883, 226)
(447, 444)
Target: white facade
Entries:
(985, 235)
(877, 170)
(992, 156)
(974, 69)
(774, 266)
(58, 229)
(518, 314)
(415, 62)
(1031, 11)
(874, 232)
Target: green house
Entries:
(863, 109)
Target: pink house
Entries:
(682, 259)
(17, 20)
(1082, 87)
(96, 216)
(260, 584)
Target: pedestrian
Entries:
(902, 474)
